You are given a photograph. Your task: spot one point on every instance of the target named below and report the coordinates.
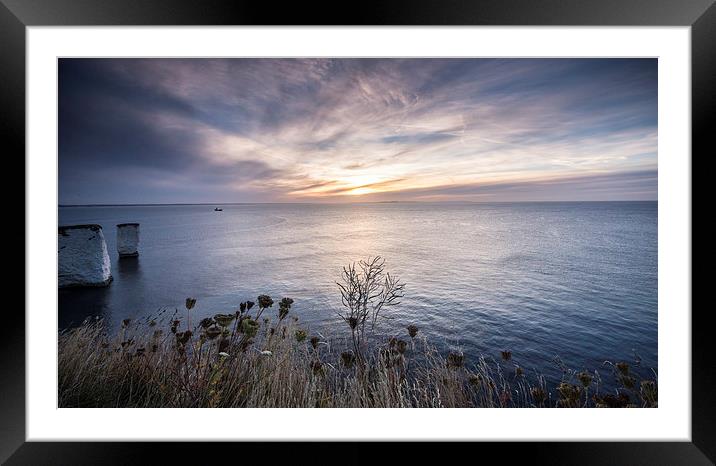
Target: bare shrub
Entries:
(366, 290)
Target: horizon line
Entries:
(348, 203)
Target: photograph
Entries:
(357, 232)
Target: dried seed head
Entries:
(623, 368)
(249, 327)
(538, 394)
(569, 392)
(301, 335)
(585, 378)
(455, 360)
(264, 301)
(212, 332)
(348, 358)
(627, 381)
(190, 303)
(283, 307)
(402, 345)
(286, 302)
(412, 330)
(183, 337)
(224, 320)
(206, 322)
(317, 367)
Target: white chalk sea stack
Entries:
(127, 239)
(82, 256)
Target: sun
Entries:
(360, 191)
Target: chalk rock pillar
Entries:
(127, 239)
(82, 256)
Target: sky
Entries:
(149, 131)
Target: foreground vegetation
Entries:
(260, 356)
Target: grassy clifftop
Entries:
(257, 357)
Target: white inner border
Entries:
(671, 421)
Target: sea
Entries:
(562, 285)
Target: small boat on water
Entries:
(216, 209)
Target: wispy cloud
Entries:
(250, 130)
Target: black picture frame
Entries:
(16, 15)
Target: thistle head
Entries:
(506, 355)
(190, 303)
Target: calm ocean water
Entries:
(574, 280)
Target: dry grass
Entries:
(249, 359)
